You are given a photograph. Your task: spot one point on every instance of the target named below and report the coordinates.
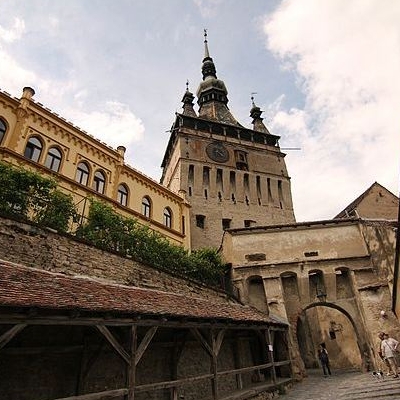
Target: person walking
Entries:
(389, 351)
(324, 359)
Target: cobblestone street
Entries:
(344, 386)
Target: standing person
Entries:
(384, 360)
(324, 359)
(389, 350)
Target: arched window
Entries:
(167, 219)
(122, 195)
(82, 173)
(53, 159)
(146, 207)
(33, 149)
(3, 129)
(99, 182)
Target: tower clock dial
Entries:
(217, 152)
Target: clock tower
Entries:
(233, 176)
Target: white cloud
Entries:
(347, 55)
(114, 123)
(14, 33)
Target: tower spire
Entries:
(208, 67)
(206, 52)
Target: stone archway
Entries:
(328, 323)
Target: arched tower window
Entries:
(99, 181)
(122, 195)
(33, 149)
(167, 217)
(82, 173)
(146, 206)
(53, 159)
(3, 129)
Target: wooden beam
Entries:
(169, 384)
(216, 347)
(270, 341)
(145, 343)
(115, 321)
(248, 369)
(237, 361)
(202, 341)
(109, 394)
(179, 345)
(131, 367)
(8, 335)
(218, 341)
(114, 342)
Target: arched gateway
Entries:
(330, 280)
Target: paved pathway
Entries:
(344, 386)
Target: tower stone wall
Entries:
(233, 176)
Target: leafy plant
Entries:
(57, 212)
(110, 231)
(28, 195)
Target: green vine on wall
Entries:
(27, 195)
(111, 231)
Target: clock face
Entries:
(217, 152)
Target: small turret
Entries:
(255, 113)
(187, 101)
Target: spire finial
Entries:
(187, 85)
(252, 98)
(206, 52)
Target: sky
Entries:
(326, 73)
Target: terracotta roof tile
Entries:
(28, 287)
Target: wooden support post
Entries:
(114, 342)
(145, 343)
(131, 367)
(179, 345)
(212, 350)
(237, 361)
(7, 336)
(270, 341)
(217, 339)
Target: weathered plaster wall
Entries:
(354, 260)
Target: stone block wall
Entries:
(40, 248)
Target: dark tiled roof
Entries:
(28, 287)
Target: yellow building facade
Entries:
(35, 138)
